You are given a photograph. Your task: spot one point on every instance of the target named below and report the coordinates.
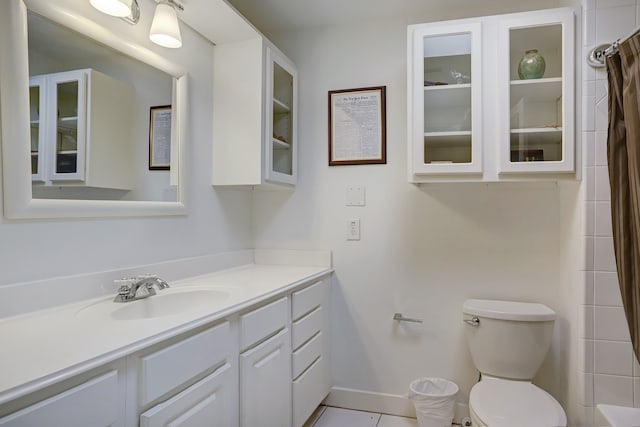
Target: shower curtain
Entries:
(623, 153)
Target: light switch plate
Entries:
(355, 196)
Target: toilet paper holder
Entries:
(400, 318)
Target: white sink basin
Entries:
(167, 302)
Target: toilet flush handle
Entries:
(474, 321)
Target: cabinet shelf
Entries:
(450, 96)
(437, 88)
(280, 145)
(536, 89)
(447, 134)
(549, 129)
(68, 124)
(280, 107)
(535, 82)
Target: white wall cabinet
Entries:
(81, 130)
(235, 372)
(472, 117)
(254, 115)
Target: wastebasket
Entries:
(434, 400)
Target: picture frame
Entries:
(160, 137)
(357, 126)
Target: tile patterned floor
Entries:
(327, 416)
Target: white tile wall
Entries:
(613, 358)
(608, 371)
(606, 291)
(603, 219)
(613, 390)
(610, 324)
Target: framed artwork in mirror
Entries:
(160, 137)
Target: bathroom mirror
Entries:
(28, 194)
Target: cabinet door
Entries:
(281, 119)
(536, 104)
(265, 383)
(445, 98)
(37, 117)
(66, 131)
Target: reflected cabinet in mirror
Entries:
(75, 103)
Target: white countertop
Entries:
(43, 347)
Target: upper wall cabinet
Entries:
(80, 130)
(492, 98)
(254, 115)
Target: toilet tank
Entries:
(508, 339)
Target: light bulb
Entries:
(119, 8)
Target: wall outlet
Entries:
(353, 229)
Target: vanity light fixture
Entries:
(165, 27)
(125, 9)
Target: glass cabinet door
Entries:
(68, 100)
(281, 116)
(537, 87)
(37, 125)
(446, 99)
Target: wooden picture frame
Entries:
(357, 126)
(160, 137)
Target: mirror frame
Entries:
(14, 118)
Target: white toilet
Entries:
(508, 342)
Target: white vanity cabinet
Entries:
(93, 399)
(187, 382)
(265, 364)
(254, 115)
(81, 130)
(471, 117)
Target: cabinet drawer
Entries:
(166, 369)
(262, 322)
(308, 391)
(307, 299)
(93, 403)
(305, 328)
(206, 400)
(306, 355)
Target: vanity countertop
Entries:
(47, 346)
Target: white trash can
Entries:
(434, 400)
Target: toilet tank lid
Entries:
(508, 310)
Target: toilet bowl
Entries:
(496, 402)
(508, 342)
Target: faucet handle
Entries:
(124, 284)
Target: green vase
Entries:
(531, 65)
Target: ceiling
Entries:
(284, 15)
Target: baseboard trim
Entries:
(392, 404)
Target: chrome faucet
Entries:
(130, 291)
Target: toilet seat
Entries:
(507, 403)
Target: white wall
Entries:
(218, 220)
(424, 250)
(608, 370)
